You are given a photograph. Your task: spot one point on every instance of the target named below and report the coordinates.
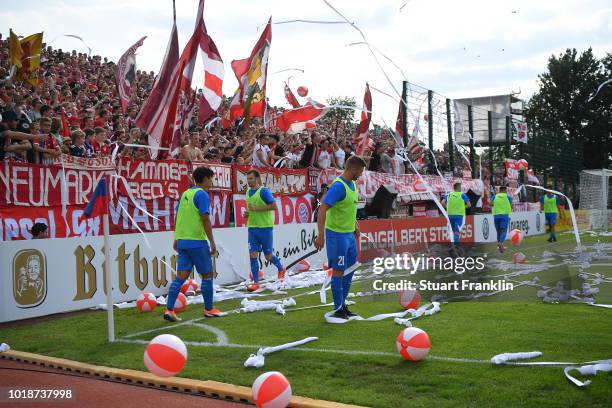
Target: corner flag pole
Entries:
(107, 266)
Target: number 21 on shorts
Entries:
(341, 261)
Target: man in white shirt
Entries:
(260, 153)
(397, 163)
(325, 155)
(339, 154)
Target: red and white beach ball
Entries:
(146, 302)
(413, 344)
(189, 287)
(325, 266)
(303, 265)
(516, 236)
(329, 272)
(165, 355)
(409, 299)
(181, 303)
(302, 91)
(518, 258)
(523, 164)
(271, 390)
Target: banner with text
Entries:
(279, 181)
(289, 210)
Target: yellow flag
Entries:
(15, 53)
(31, 47)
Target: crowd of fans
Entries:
(78, 91)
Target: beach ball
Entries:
(146, 302)
(329, 272)
(189, 287)
(419, 186)
(310, 125)
(409, 299)
(181, 303)
(518, 258)
(522, 164)
(302, 91)
(303, 265)
(413, 344)
(325, 266)
(271, 390)
(165, 355)
(516, 236)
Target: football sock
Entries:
(207, 293)
(255, 269)
(173, 292)
(337, 292)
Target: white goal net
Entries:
(595, 196)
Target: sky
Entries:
(455, 48)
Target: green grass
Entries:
(471, 330)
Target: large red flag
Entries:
(251, 73)
(296, 120)
(125, 73)
(156, 109)
(362, 139)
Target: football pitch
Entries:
(358, 363)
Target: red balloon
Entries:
(426, 117)
(302, 91)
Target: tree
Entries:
(343, 115)
(559, 110)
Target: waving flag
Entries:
(98, 203)
(24, 56)
(125, 73)
(212, 92)
(291, 97)
(251, 73)
(362, 139)
(400, 122)
(520, 131)
(296, 120)
(156, 109)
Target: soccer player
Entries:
(260, 207)
(194, 242)
(338, 217)
(502, 208)
(455, 203)
(550, 204)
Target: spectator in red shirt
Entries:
(48, 147)
(101, 148)
(102, 119)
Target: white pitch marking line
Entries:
(167, 327)
(348, 352)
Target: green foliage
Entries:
(561, 121)
(345, 116)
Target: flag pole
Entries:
(107, 266)
(174, 10)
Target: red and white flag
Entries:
(304, 117)
(291, 97)
(125, 74)
(156, 109)
(400, 123)
(212, 92)
(362, 139)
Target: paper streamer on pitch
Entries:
(591, 369)
(571, 208)
(258, 360)
(505, 357)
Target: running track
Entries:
(91, 392)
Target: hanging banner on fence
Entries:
(85, 163)
(313, 179)
(405, 184)
(223, 175)
(513, 168)
(151, 179)
(33, 185)
(279, 181)
(289, 210)
(16, 222)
